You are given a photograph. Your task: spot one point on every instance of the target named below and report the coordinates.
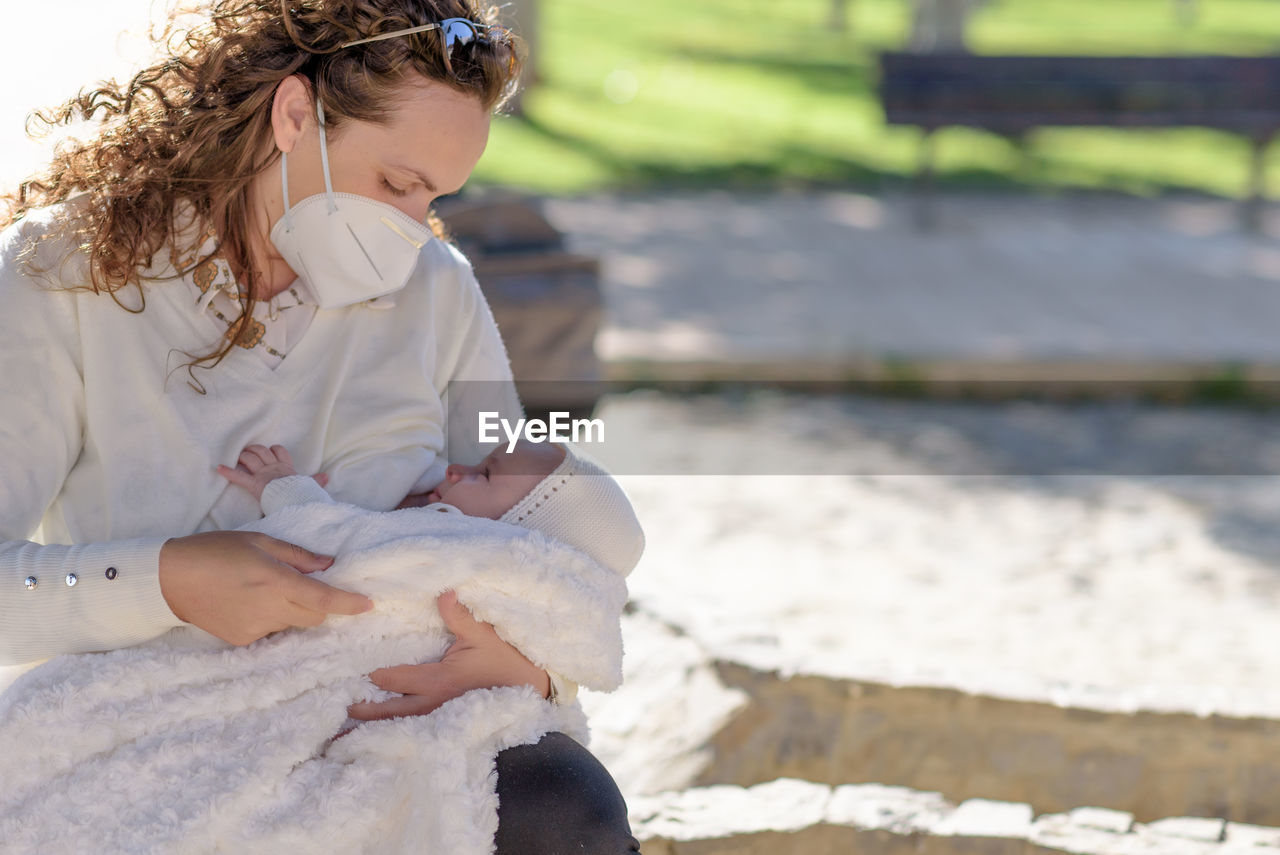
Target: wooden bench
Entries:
(1014, 95)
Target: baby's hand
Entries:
(259, 466)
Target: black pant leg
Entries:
(555, 798)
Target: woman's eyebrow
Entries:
(427, 182)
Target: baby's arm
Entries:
(269, 475)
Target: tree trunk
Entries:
(938, 26)
(522, 16)
(840, 15)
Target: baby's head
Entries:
(492, 487)
(549, 488)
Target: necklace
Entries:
(253, 333)
(213, 275)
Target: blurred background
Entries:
(753, 95)
(936, 342)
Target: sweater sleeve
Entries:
(294, 490)
(473, 374)
(56, 599)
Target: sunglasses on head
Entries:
(454, 31)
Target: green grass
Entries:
(760, 95)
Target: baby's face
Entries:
(494, 485)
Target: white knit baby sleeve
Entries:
(293, 490)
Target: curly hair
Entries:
(195, 126)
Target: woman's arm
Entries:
(56, 599)
(67, 599)
(64, 599)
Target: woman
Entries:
(239, 255)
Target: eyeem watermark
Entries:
(559, 428)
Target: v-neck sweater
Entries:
(107, 450)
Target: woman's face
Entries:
(426, 148)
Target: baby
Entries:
(543, 487)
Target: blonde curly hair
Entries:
(195, 126)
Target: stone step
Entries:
(794, 816)
(686, 718)
(1058, 641)
(1150, 762)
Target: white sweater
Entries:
(104, 444)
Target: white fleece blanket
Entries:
(187, 745)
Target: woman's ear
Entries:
(291, 111)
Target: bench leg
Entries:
(924, 213)
(1255, 204)
(1028, 166)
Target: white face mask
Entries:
(346, 248)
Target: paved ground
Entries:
(831, 283)
(1108, 556)
(1111, 555)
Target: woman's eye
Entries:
(395, 191)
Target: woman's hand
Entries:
(241, 585)
(478, 659)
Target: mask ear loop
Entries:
(324, 158)
(284, 188)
